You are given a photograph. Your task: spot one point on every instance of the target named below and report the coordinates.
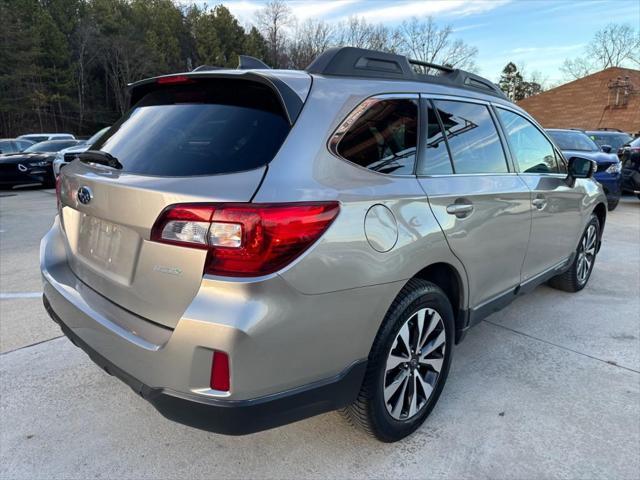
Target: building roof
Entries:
(606, 99)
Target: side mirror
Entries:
(606, 148)
(580, 167)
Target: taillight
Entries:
(220, 376)
(244, 239)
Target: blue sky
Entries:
(539, 34)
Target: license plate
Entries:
(108, 247)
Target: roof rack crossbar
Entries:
(359, 62)
(444, 68)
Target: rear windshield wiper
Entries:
(100, 157)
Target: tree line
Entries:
(65, 64)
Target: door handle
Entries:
(539, 202)
(460, 210)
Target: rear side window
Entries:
(472, 136)
(384, 137)
(435, 156)
(532, 151)
(206, 127)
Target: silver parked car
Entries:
(251, 247)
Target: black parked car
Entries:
(13, 145)
(609, 138)
(33, 165)
(630, 157)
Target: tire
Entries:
(575, 278)
(612, 205)
(382, 418)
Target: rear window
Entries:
(207, 127)
(577, 141)
(51, 146)
(614, 140)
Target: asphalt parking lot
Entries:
(547, 388)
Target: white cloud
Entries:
(402, 10)
(243, 10)
(470, 27)
(546, 50)
(317, 9)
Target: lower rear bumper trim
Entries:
(235, 417)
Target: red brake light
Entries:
(220, 378)
(244, 239)
(173, 79)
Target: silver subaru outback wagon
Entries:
(247, 248)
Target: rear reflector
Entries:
(220, 372)
(245, 239)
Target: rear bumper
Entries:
(239, 417)
(291, 355)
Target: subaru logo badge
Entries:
(22, 168)
(84, 195)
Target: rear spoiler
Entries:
(289, 99)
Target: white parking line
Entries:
(7, 296)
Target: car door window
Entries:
(532, 151)
(435, 155)
(472, 137)
(383, 138)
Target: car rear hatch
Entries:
(187, 140)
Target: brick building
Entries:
(606, 99)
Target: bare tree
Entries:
(272, 21)
(427, 42)
(616, 45)
(357, 32)
(576, 68)
(534, 77)
(86, 55)
(310, 39)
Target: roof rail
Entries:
(359, 62)
(444, 68)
